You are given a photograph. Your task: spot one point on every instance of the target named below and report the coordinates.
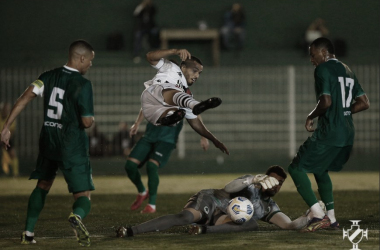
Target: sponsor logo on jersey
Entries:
(53, 124)
(347, 113)
(179, 85)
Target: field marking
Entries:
(179, 184)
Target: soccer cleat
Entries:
(210, 103)
(139, 199)
(172, 119)
(80, 230)
(315, 224)
(334, 226)
(26, 240)
(195, 230)
(148, 210)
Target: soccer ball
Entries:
(240, 210)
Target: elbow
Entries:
(87, 122)
(366, 105)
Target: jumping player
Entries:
(208, 208)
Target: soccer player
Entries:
(154, 149)
(208, 208)
(338, 95)
(167, 98)
(68, 110)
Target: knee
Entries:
(131, 164)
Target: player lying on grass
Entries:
(208, 208)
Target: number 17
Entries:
(349, 83)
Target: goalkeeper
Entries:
(208, 208)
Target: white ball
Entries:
(240, 209)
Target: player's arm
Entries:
(204, 141)
(19, 106)
(361, 103)
(284, 222)
(323, 104)
(135, 126)
(153, 57)
(238, 184)
(200, 128)
(87, 121)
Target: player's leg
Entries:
(45, 172)
(184, 100)
(158, 158)
(14, 162)
(136, 159)
(79, 181)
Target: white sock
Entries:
(331, 215)
(317, 211)
(30, 234)
(143, 193)
(152, 206)
(184, 100)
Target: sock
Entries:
(143, 193)
(134, 175)
(317, 211)
(165, 222)
(303, 185)
(325, 189)
(82, 207)
(153, 181)
(331, 215)
(35, 205)
(184, 100)
(152, 206)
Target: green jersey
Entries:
(67, 97)
(335, 127)
(163, 133)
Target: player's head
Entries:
(81, 55)
(320, 50)
(191, 69)
(279, 173)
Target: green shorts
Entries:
(78, 177)
(314, 157)
(145, 150)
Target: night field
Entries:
(356, 197)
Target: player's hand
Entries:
(5, 136)
(267, 182)
(134, 129)
(221, 146)
(195, 230)
(309, 124)
(183, 54)
(204, 143)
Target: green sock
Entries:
(134, 175)
(303, 185)
(325, 189)
(35, 205)
(82, 207)
(153, 181)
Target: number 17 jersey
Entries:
(68, 97)
(335, 126)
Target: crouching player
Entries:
(208, 208)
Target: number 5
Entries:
(52, 102)
(349, 83)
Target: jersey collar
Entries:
(69, 68)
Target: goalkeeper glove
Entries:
(265, 181)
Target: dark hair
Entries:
(277, 170)
(80, 44)
(323, 42)
(190, 61)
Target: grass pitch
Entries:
(111, 209)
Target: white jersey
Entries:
(168, 76)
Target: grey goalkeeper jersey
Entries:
(264, 207)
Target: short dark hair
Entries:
(323, 42)
(189, 61)
(277, 170)
(80, 44)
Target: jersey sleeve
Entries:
(85, 100)
(273, 209)
(357, 89)
(322, 83)
(160, 63)
(38, 87)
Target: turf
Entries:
(109, 211)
